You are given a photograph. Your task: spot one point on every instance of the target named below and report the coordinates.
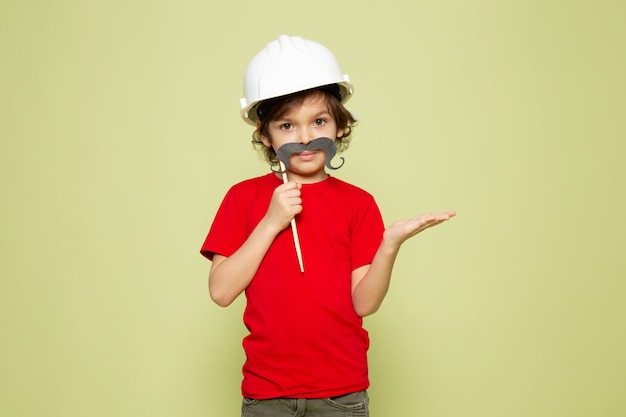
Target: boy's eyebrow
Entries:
(322, 113)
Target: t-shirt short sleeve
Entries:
(367, 232)
(228, 231)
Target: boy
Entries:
(306, 351)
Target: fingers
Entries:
(286, 203)
(444, 215)
(429, 220)
(289, 196)
(425, 221)
(437, 217)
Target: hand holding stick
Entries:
(294, 229)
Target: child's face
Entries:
(309, 121)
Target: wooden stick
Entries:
(294, 229)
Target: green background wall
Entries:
(120, 134)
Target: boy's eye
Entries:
(286, 126)
(319, 122)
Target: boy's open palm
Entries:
(401, 230)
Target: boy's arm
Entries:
(230, 276)
(371, 282)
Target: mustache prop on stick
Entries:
(325, 144)
(284, 154)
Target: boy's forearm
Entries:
(369, 292)
(232, 276)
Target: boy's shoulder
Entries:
(265, 180)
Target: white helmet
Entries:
(288, 65)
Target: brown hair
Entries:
(273, 109)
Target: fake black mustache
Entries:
(326, 144)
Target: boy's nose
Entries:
(306, 136)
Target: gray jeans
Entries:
(350, 405)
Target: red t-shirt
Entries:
(305, 341)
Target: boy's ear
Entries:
(340, 132)
(264, 139)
